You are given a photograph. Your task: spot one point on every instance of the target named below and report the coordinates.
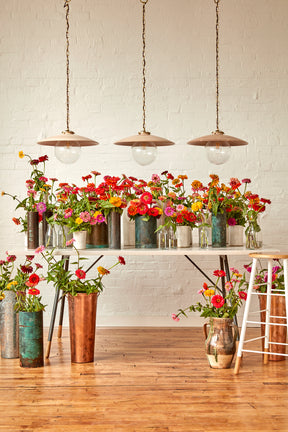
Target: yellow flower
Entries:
(197, 206)
(183, 177)
(2, 296)
(42, 189)
(116, 201)
(175, 181)
(8, 286)
(196, 184)
(97, 213)
(47, 186)
(78, 221)
(238, 275)
(21, 154)
(159, 210)
(209, 293)
(102, 270)
(150, 183)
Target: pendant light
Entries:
(144, 145)
(218, 145)
(68, 144)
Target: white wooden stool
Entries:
(270, 258)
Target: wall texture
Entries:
(106, 105)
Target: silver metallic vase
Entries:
(9, 326)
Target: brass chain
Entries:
(144, 2)
(67, 6)
(217, 64)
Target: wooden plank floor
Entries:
(143, 379)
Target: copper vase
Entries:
(82, 326)
(277, 333)
(33, 229)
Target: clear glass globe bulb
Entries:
(67, 154)
(144, 154)
(218, 154)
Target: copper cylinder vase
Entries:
(114, 230)
(9, 325)
(82, 326)
(32, 229)
(98, 237)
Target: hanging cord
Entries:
(67, 6)
(217, 64)
(144, 2)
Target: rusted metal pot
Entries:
(82, 326)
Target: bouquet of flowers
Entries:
(261, 277)
(145, 205)
(6, 270)
(214, 304)
(76, 281)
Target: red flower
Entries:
(33, 291)
(80, 274)
(34, 162)
(242, 295)
(205, 286)
(142, 209)
(132, 210)
(87, 177)
(121, 260)
(217, 301)
(34, 279)
(11, 258)
(16, 221)
(219, 273)
(153, 212)
(26, 269)
(43, 158)
(146, 198)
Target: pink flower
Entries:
(155, 178)
(234, 270)
(246, 180)
(40, 249)
(41, 207)
(169, 211)
(180, 207)
(44, 179)
(242, 295)
(228, 286)
(85, 216)
(248, 268)
(100, 218)
(175, 317)
(68, 213)
(201, 291)
(69, 242)
(31, 192)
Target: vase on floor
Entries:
(184, 236)
(80, 239)
(32, 229)
(31, 339)
(145, 235)
(114, 230)
(98, 237)
(82, 326)
(220, 344)
(219, 230)
(9, 326)
(277, 333)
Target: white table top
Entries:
(196, 251)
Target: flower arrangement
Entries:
(73, 282)
(145, 206)
(261, 277)
(215, 305)
(39, 192)
(23, 283)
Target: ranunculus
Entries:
(217, 301)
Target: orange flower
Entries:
(116, 201)
(175, 181)
(102, 270)
(183, 177)
(196, 184)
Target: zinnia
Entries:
(217, 301)
(34, 279)
(219, 273)
(242, 295)
(80, 274)
(102, 270)
(146, 198)
(121, 260)
(33, 291)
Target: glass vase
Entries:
(204, 232)
(251, 238)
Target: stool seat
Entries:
(269, 257)
(260, 255)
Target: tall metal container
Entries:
(9, 326)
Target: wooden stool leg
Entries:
(245, 317)
(285, 268)
(268, 312)
(61, 316)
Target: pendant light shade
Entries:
(218, 144)
(144, 145)
(67, 144)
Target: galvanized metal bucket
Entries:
(31, 339)
(145, 235)
(9, 326)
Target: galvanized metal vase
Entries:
(114, 230)
(82, 326)
(219, 230)
(31, 339)
(220, 342)
(9, 326)
(145, 236)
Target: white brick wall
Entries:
(106, 105)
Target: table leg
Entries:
(61, 316)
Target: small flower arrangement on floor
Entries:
(73, 282)
(261, 278)
(214, 304)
